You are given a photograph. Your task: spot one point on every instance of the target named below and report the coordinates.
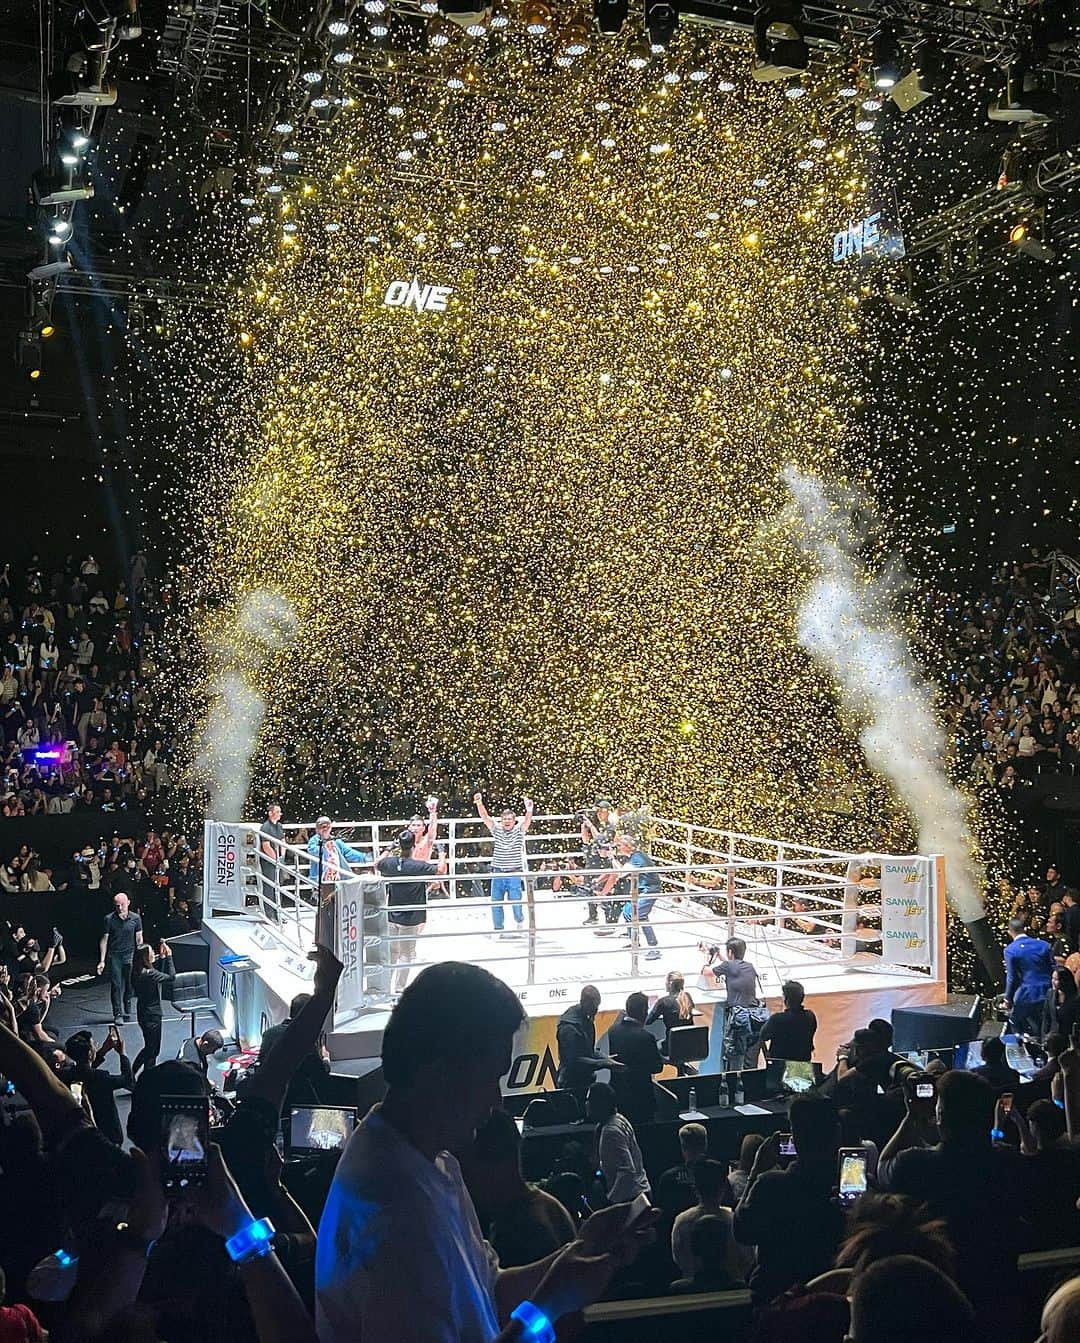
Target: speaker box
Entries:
(954, 1022)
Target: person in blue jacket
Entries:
(1029, 968)
(331, 859)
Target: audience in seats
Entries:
(675, 1190)
(790, 1213)
(522, 1223)
(713, 1200)
(621, 1166)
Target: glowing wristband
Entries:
(998, 1133)
(251, 1242)
(1059, 1102)
(534, 1322)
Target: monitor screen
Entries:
(687, 1044)
(320, 1128)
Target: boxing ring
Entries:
(862, 932)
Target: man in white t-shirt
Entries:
(400, 1256)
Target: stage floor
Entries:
(844, 994)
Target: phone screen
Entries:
(185, 1136)
(852, 1173)
(787, 1145)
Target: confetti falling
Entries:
(523, 535)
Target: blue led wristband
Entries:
(997, 1134)
(251, 1241)
(535, 1323)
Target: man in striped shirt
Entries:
(507, 858)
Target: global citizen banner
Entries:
(349, 922)
(905, 911)
(223, 866)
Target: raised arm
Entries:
(526, 820)
(271, 1081)
(482, 811)
(56, 1108)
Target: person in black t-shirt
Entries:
(271, 835)
(121, 934)
(149, 975)
(790, 1034)
(406, 924)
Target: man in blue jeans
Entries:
(507, 859)
(1029, 967)
(631, 858)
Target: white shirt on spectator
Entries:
(620, 1161)
(740, 1257)
(400, 1255)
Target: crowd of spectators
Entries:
(1013, 688)
(414, 1243)
(81, 720)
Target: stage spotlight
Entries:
(1025, 239)
(661, 19)
(71, 88)
(343, 56)
(311, 66)
(574, 38)
(339, 23)
(379, 27)
(500, 18)
(780, 49)
(537, 18)
(59, 231)
(885, 59)
(639, 55)
(29, 354)
(283, 127)
(610, 15)
(1024, 99)
(439, 34)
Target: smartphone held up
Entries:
(185, 1141)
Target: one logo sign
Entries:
(419, 297)
(863, 235)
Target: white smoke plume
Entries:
(265, 625)
(847, 624)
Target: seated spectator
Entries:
(907, 1300)
(1053, 1165)
(523, 1223)
(197, 1052)
(970, 1183)
(1062, 1010)
(675, 1191)
(740, 1175)
(18, 1323)
(621, 1166)
(791, 1214)
(1061, 1315)
(708, 1254)
(674, 1008)
(100, 1086)
(790, 1034)
(994, 1069)
(28, 1183)
(711, 1187)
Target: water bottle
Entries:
(723, 1099)
(739, 1094)
(693, 1099)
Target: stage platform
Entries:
(844, 991)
